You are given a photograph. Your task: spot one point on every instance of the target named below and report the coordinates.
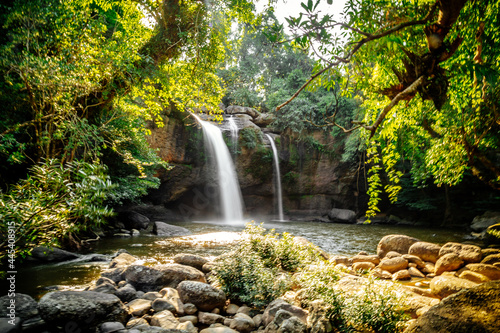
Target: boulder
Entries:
(161, 304)
(146, 278)
(207, 318)
(473, 276)
(242, 323)
(446, 285)
(9, 326)
(53, 254)
(133, 220)
(393, 265)
(139, 307)
(415, 272)
(164, 319)
(106, 287)
(190, 260)
(280, 304)
(468, 253)
(342, 215)
(164, 229)
(363, 266)
(114, 274)
(491, 259)
(171, 295)
(122, 260)
(126, 292)
(415, 260)
(482, 222)
(202, 295)
(425, 251)
(365, 258)
(381, 274)
(472, 310)
(112, 327)
(24, 307)
(490, 271)
(397, 243)
(318, 321)
(235, 109)
(448, 262)
(403, 274)
(83, 309)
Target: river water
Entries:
(342, 239)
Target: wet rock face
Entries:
(474, 310)
(84, 310)
(146, 278)
(202, 295)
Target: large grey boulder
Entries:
(203, 295)
(53, 254)
(85, 310)
(473, 310)
(397, 243)
(133, 220)
(164, 229)
(482, 222)
(190, 260)
(145, 278)
(23, 307)
(342, 215)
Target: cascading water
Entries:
(234, 134)
(278, 178)
(230, 194)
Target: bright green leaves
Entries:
(55, 202)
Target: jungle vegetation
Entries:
(414, 82)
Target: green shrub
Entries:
(375, 307)
(259, 269)
(250, 137)
(54, 204)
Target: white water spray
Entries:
(229, 189)
(278, 178)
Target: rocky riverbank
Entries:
(454, 287)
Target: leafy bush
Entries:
(251, 273)
(250, 137)
(54, 204)
(375, 307)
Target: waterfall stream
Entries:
(234, 134)
(278, 179)
(231, 201)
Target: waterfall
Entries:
(230, 194)
(234, 134)
(278, 178)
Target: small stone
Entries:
(393, 265)
(244, 309)
(415, 272)
(401, 275)
(193, 319)
(363, 266)
(164, 319)
(257, 319)
(207, 318)
(134, 322)
(448, 262)
(152, 295)
(393, 254)
(161, 304)
(190, 308)
(139, 307)
(187, 326)
(111, 327)
(232, 309)
(381, 274)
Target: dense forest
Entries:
(411, 86)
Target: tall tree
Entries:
(446, 53)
